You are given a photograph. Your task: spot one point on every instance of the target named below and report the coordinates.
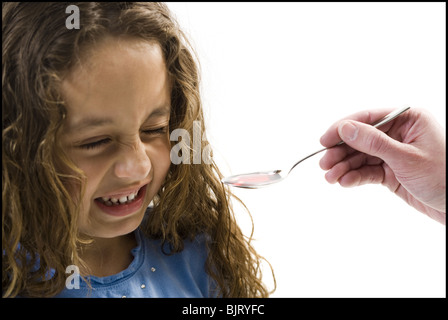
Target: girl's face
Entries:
(116, 131)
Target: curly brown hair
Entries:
(37, 51)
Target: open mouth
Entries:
(124, 204)
(119, 201)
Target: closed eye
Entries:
(158, 131)
(96, 144)
(99, 143)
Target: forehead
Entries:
(113, 51)
(116, 74)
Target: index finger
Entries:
(331, 136)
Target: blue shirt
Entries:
(153, 274)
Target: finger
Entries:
(363, 175)
(370, 140)
(353, 162)
(335, 155)
(331, 136)
(391, 182)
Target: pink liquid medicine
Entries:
(252, 179)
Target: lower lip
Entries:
(122, 210)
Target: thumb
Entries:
(367, 139)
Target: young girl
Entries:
(87, 115)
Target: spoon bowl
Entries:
(264, 178)
(255, 179)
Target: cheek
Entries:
(79, 172)
(93, 171)
(160, 159)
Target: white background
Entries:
(275, 76)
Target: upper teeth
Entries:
(122, 199)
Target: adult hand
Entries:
(408, 155)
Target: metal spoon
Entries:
(260, 179)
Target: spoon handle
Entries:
(389, 117)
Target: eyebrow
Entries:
(97, 122)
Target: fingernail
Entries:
(348, 131)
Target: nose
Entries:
(134, 163)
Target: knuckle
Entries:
(377, 144)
